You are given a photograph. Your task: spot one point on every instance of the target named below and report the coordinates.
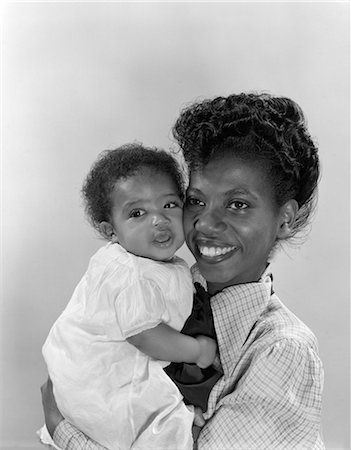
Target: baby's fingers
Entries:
(199, 420)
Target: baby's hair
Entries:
(121, 163)
(260, 127)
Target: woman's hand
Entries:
(208, 349)
(51, 413)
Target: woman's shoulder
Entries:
(284, 344)
(282, 324)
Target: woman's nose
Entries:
(210, 223)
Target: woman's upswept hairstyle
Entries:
(121, 163)
(260, 127)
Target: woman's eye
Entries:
(136, 213)
(238, 205)
(191, 201)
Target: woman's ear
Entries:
(288, 217)
(107, 230)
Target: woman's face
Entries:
(230, 221)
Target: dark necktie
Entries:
(194, 383)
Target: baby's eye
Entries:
(238, 205)
(192, 201)
(136, 213)
(171, 205)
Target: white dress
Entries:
(103, 385)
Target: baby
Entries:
(106, 352)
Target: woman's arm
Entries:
(65, 435)
(52, 414)
(276, 404)
(164, 343)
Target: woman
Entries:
(254, 171)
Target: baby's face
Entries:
(147, 215)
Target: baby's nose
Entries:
(159, 220)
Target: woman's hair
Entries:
(121, 163)
(269, 130)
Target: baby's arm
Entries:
(164, 343)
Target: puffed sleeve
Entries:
(276, 403)
(139, 307)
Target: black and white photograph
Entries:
(175, 225)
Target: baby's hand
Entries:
(208, 348)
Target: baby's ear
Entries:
(106, 229)
(288, 217)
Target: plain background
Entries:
(79, 78)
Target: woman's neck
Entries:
(214, 288)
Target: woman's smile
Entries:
(213, 252)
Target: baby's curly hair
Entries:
(259, 127)
(121, 163)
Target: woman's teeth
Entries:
(215, 251)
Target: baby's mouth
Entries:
(163, 237)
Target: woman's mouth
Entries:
(215, 252)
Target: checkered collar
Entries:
(236, 309)
(266, 277)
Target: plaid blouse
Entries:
(269, 396)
